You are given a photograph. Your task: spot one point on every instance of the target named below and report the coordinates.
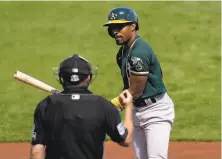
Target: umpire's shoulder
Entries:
(41, 106)
(106, 104)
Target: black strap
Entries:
(142, 102)
(76, 57)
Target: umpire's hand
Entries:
(126, 99)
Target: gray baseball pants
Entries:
(152, 128)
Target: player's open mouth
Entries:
(118, 36)
(118, 39)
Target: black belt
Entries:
(142, 102)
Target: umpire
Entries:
(73, 124)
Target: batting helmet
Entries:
(122, 15)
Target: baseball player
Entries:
(141, 72)
(73, 123)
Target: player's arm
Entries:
(38, 136)
(137, 85)
(117, 130)
(139, 71)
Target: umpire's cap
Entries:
(74, 70)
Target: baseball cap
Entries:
(75, 65)
(75, 69)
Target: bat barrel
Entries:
(20, 76)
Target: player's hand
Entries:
(126, 99)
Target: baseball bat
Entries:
(27, 79)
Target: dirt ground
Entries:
(177, 150)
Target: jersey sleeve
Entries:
(114, 126)
(38, 133)
(139, 60)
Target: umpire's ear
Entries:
(88, 79)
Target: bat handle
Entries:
(55, 91)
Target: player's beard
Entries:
(120, 41)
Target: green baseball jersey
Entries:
(140, 60)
